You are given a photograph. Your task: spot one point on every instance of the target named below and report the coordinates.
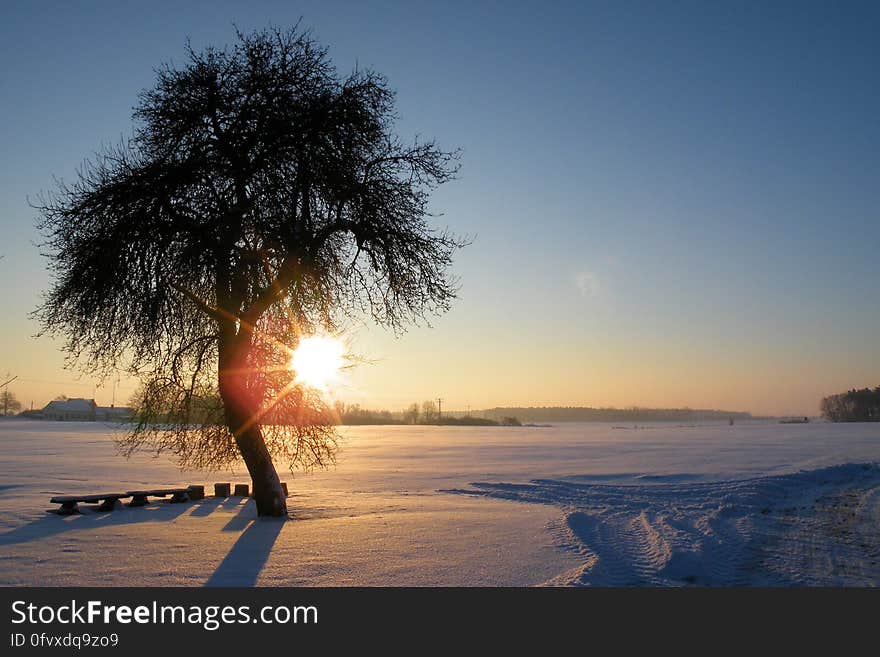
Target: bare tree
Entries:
(9, 404)
(261, 197)
(429, 410)
(411, 414)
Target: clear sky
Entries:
(673, 203)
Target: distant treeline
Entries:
(425, 413)
(428, 413)
(207, 409)
(853, 406)
(587, 414)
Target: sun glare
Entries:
(317, 360)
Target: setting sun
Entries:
(317, 360)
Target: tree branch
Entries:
(216, 313)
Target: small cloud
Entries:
(588, 284)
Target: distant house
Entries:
(70, 409)
(114, 413)
(85, 410)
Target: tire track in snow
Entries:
(811, 528)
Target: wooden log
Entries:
(158, 492)
(196, 492)
(69, 502)
(139, 497)
(221, 490)
(241, 490)
(88, 499)
(61, 499)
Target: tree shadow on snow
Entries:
(245, 561)
(212, 504)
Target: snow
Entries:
(574, 504)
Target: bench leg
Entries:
(138, 500)
(179, 497)
(109, 504)
(68, 509)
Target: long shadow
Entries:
(245, 561)
(52, 524)
(241, 520)
(211, 504)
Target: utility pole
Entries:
(439, 409)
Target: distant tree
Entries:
(852, 406)
(8, 403)
(411, 414)
(261, 197)
(429, 411)
(61, 398)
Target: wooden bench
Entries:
(69, 502)
(139, 497)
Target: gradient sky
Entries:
(672, 205)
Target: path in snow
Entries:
(812, 528)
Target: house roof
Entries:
(71, 406)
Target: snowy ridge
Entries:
(811, 528)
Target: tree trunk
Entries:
(266, 487)
(241, 407)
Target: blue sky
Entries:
(672, 203)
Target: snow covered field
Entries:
(575, 504)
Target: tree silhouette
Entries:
(429, 410)
(9, 403)
(261, 197)
(853, 406)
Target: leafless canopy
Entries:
(261, 196)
